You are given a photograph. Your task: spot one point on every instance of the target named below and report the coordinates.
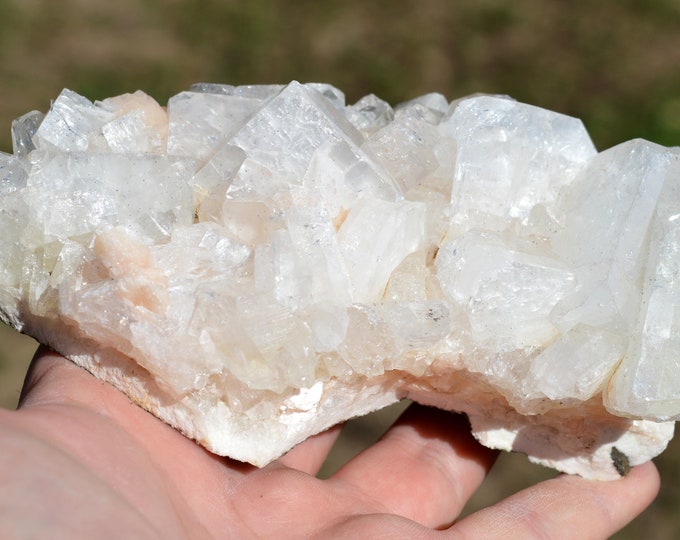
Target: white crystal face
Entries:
(255, 264)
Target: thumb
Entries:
(54, 380)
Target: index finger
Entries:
(424, 468)
(566, 507)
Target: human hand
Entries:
(79, 460)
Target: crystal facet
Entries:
(254, 264)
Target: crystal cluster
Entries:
(254, 264)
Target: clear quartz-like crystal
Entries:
(648, 382)
(256, 263)
(23, 129)
(512, 159)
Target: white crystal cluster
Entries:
(254, 264)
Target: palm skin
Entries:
(79, 460)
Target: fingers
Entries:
(54, 386)
(425, 467)
(310, 455)
(52, 378)
(566, 507)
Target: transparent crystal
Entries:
(23, 129)
(257, 263)
(369, 114)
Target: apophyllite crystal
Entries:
(254, 264)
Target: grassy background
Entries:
(615, 64)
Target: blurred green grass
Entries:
(614, 64)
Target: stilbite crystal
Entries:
(254, 264)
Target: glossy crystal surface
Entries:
(254, 264)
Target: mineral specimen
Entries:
(254, 264)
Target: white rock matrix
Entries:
(255, 264)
